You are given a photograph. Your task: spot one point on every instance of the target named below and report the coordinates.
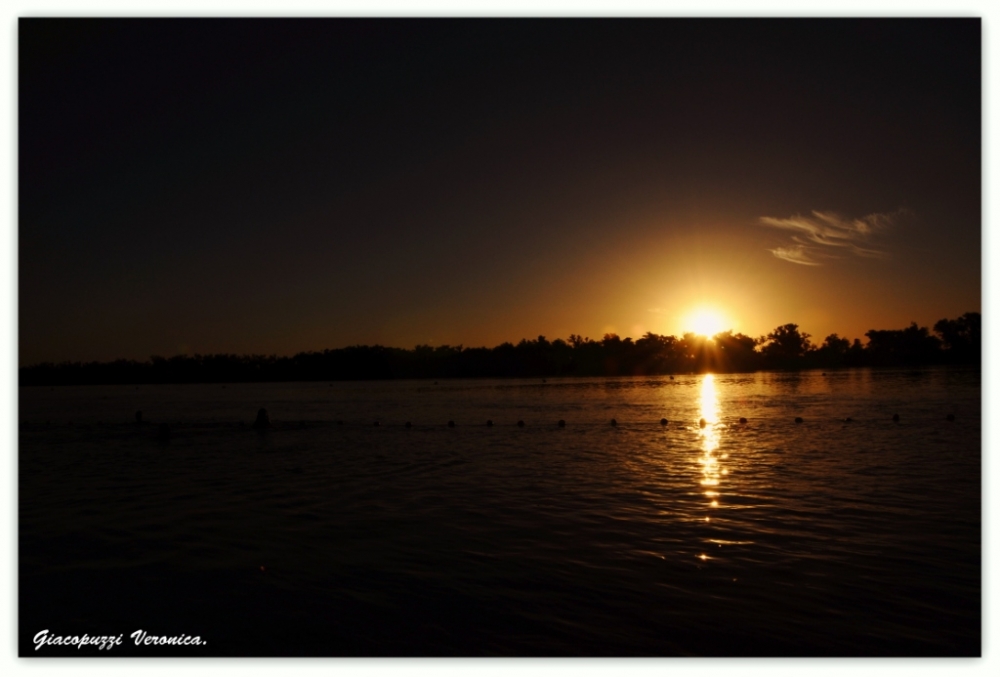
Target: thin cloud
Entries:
(796, 254)
(818, 234)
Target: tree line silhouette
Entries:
(955, 341)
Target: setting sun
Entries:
(705, 321)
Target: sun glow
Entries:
(705, 321)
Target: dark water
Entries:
(328, 535)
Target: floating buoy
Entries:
(376, 424)
(520, 424)
(950, 417)
(798, 419)
(663, 421)
(262, 421)
(743, 421)
(562, 423)
(138, 417)
(895, 417)
(408, 424)
(451, 424)
(164, 432)
(848, 420)
(614, 422)
(489, 423)
(702, 423)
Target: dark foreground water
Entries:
(328, 535)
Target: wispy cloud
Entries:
(820, 234)
(796, 254)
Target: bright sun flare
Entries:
(705, 321)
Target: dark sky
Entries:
(274, 186)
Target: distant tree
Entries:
(686, 351)
(962, 337)
(612, 355)
(856, 354)
(735, 352)
(834, 351)
(785, 346)
(836, 345)
(910, 346)
(651, 354)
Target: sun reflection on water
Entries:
(709, 434)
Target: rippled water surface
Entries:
(847, 533)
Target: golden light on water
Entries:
(709, 400)
(709, 433)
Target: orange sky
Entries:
(183, 189)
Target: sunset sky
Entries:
(272, 186)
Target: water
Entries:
(328, 535)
